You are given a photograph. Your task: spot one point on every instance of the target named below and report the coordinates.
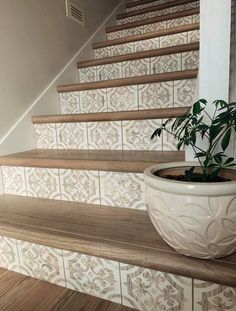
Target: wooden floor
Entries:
(22, 293)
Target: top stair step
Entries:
(154, 8)
(119, 234)
(131, 4)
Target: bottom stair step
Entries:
(19, 292)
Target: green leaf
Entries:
(226, 139)
(197, 108)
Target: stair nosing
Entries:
(152, 20)
(154, 8)
(149, 114)
(149, 35)
(140, 2)
(140, 55)
(155, 78)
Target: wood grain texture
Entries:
(112, 116)
(101, 160)
(140, 55)
(153, 20)
(119, 234)
(130, 4)
(167, 76)
(154, 8)
(19, 292)
(148, 35)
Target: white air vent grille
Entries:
(75, 13)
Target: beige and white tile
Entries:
(122, 190)
(150, 290)
(122, 98)
(156, 95)
(72, 136)
(190, 60)
(105, 135)
(196, 18)
(193, 36)
(166, 63)
(135, 68)
(133, 31)
(146, 45)
(184, 91)
(213, 297)
(14, 180)
(172, 40)
(88, 74)
(179, 21)
(154, 27)
(102, 52)
(8, 254)
(115, 35)
(41, 262)
(109, 71)
(92, 275)
(42, 183)
(45, 136)
(122, 49)
(93, 101)
(137, 135)
(69, 102)
(79, 186)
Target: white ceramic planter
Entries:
(196, 219)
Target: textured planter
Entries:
(196, 219)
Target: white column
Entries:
(214, 66)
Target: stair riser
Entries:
(107, 279)
(137, 97)
(149, 44)
(117, 189)
(153, 27)
(174, 9)
(113, 135)
(147, 5)
(140, 67)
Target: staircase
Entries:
(73, 212)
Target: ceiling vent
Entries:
(75, 13)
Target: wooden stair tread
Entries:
(21, 292)
(149, 35)
(154, 8)
(153, 20)
(161, 77)
(159, 113)
(102, 160)
(120, 234)
(138, 2)
(139, 55)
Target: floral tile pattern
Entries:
(196, 18)
(105, 135)
(14, 180)
(41, 262)
(146, 45)
(122, 190)
(122, 49)
(193, 36)
(8, 254)
(45, 136)
(102, 52)
(154, 27)
(212, 297)
(137, 135)
(166, 63)
(190, 60)
(69, 102)
(150, 290)
(122, 98)
(88, 74)
(171, 40)
(72, 136)
(184, 91)
(93, 101)
(92, 275)
(156, 95)
(80, 186)
(115, 35)
(109, 72)
(134, 68)
(179, 21)
(42, 183)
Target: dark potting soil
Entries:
(184, 178)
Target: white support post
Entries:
(214, 66)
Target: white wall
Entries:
(37, 41)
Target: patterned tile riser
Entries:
(153, 27)
(137, 97)
(133, 286)
(148, 5)
(141, 67)
(116, 189)
(145, 45)
(174, 9)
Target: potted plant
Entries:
(193, 204)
